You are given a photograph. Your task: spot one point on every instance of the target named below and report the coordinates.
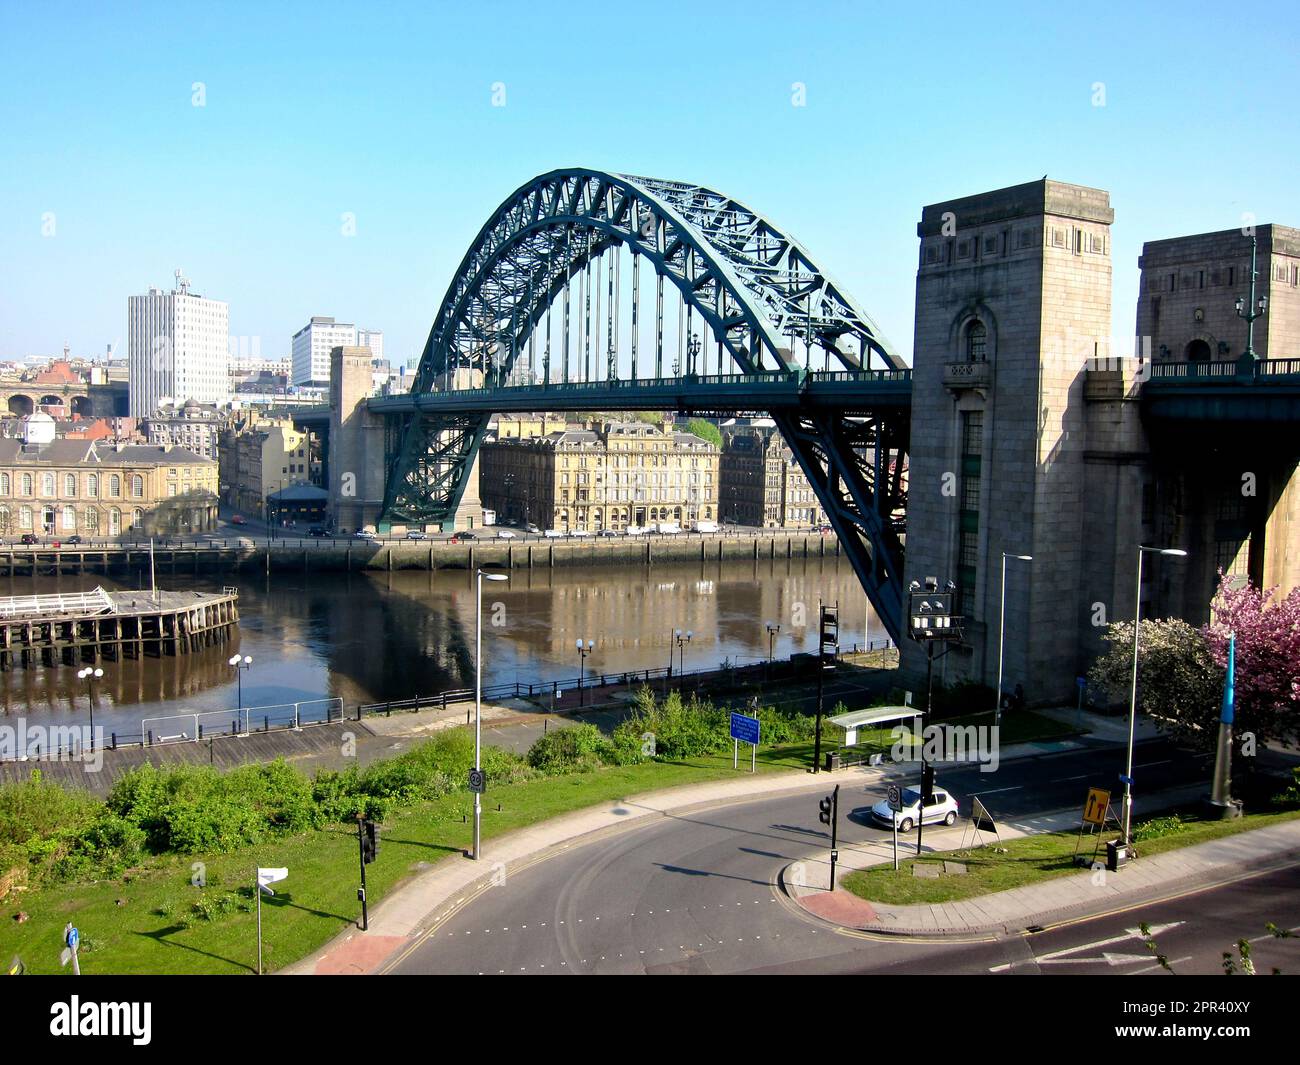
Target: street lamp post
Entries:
(90, 675)
(478, 704)
(240, 665)
(1249, 310)
(1002, 631)
(583, 652)
(1132, 701)
(772, 629)
(683, 638)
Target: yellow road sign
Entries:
(1094, 810)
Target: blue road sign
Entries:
(74, 937)
(1082, 682)
(745, 728)
(1125, 780)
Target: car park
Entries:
(941, 809)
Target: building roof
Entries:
(72, 452)
(305, 493)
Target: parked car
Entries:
(364, 534)
(29, 539)
(667, 528)
(579, 531)
(607, 532)
(75, 538)
(415, 534)
(554, 534)
(635, 530)
(462, 537)
(239, 519)
(942, 808)
(531, 528)
(317, 530)
(706, 526)
(505, 534)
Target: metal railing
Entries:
(74, 604)
(1219, 370)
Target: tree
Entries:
(1180, 685)
(1181, 669)
(705, 430)
(1267, 679)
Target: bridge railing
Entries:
(1262, 369)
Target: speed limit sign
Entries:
(894, 797)
(477, 783)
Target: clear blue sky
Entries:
(384, 111)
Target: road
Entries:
(695, 893)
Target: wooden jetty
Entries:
(88, 626)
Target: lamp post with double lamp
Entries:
(1132, 701)
(1002, 631)
(583, 652)
(1249, 309)
(683, 638)
(90, 675)
(478, 705)
(240, 665)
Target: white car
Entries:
(505, 534)
(706, 526)
(579, 531)
(364, 534)
(554, 534)
(941, 809)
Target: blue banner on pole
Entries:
(745, 728)
(1230, 682)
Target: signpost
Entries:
(72, 940)
(895, 799)
(829, 814)
(980, 821)
(1094, 809)
(744, 727)
(477, 781)
(265, 878)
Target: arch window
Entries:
(92, 485)
(114, 521)
(27, 485)
(70, 485)
(47, 484)
(69, 519)
(137, 487)
(4, 484)
(115, 486)
(977, 338)
(137, 518)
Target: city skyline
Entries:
(268, 157)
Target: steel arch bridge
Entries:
(758, 290)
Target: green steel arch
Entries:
(755, 286)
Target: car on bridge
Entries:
(941, 809)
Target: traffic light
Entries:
(825, 807)
(927, 783)
(369, 841)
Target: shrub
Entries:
(573, 749)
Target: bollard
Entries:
(200, 731)
(151, 737)
(266, 722)
(114, 737)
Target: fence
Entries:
(183, 728)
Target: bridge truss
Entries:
(772, 313)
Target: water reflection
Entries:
(369, 637)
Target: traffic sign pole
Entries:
(895, 804)
(361, 856)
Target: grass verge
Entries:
(1031, 859)
(155, 920)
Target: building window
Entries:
(47, 484)
(27, 485)
(4, 484)
(92, 485)
(976, 342)
(92, 520)
(115, 486)
(25, 518)
(70, 485)
(137, 487)
(69, 519)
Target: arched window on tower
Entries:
(977, 336)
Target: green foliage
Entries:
(1159, 826)
(575, 749)
(1290, 795)
(705, 430)
(1179, 685)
